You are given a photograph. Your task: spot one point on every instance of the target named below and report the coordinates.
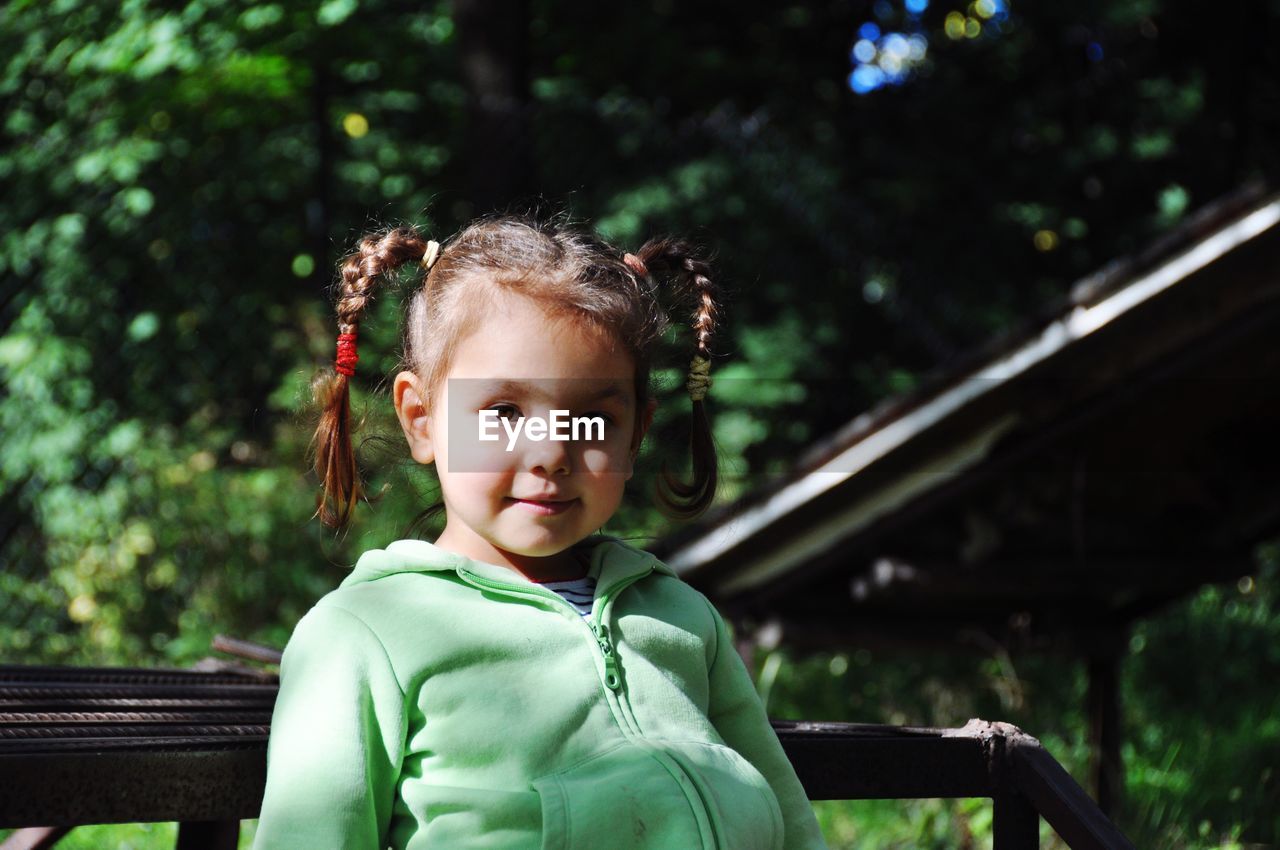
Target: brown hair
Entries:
(570, 272)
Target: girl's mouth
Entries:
(546, 508)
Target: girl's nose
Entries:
(548, 456)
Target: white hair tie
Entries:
(431, 254)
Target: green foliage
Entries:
(1209, 664)
(134, 836)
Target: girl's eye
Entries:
(506, 411)
(592, 431)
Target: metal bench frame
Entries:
(125, 745)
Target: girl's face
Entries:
(516, 494)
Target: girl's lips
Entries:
(546, 508)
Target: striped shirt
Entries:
(578, 592)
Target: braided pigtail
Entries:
(683, 265)
(375, 257)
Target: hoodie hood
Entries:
(610, 560)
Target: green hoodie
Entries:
(434, 701)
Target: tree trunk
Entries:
(493, 39)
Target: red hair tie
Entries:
(637, 265)
(347, 357)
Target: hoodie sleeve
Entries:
(336, 742)
(739, 716)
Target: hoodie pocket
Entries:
(684, 795)
(625, 798)
(739, 801)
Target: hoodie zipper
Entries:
(613, 683)
(600, 636)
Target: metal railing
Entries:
(84, 745)
(852, 761)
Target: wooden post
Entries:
(1016, 825)
(1106, 769)
(208, 835)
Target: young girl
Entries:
(522, 682)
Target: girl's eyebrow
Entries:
(505, 388)
(614, 390)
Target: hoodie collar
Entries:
(611, 560)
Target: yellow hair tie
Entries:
(429, 256)
(699, 378)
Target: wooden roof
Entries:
(1064, 480)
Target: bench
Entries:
(87, 745)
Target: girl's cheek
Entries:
(472, 453)
(606, 459)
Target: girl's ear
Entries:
(414, 416)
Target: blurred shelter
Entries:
(1048, 490)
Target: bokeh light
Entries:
(866, 78)
(979, 17)
(1045, 240)
(303, 265)
(355, 125)
(889, 53)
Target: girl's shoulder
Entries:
(407, 619)
(387, 588)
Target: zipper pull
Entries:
(612, 678)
